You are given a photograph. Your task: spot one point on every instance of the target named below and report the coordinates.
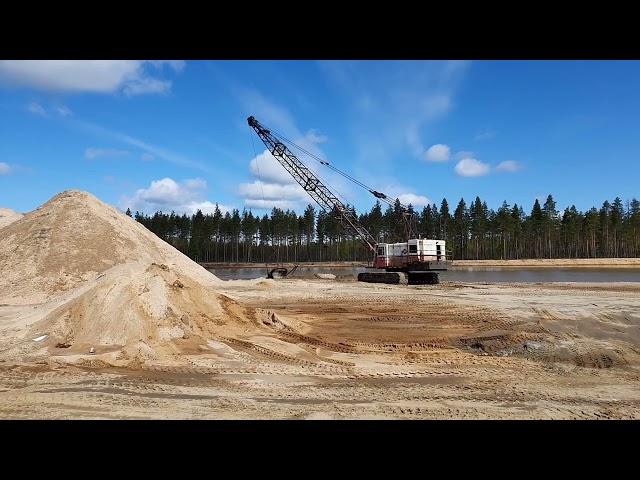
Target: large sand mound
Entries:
(73, 238)
(86, 275)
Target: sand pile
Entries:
(71, 239)
(87, 276)
(8, 216)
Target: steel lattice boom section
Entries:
(312, 184)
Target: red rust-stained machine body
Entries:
(415, 254)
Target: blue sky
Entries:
(173, 135)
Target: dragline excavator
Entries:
(416, 261)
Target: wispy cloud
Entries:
(463, 154)
(5, 169)
(36, 109)
(130, 77)
(485, 135)
(93, 153)
(142, 86)
(147, 148)
(392, 103)
(63, 111)
(149, 151)
(267, 112)
(391, 106)
(508, 166)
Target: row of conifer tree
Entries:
(472, 231)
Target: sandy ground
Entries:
(328, 349)
(99, 318)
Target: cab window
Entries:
(381, 251)
(413, 248)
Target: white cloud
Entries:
(413, 199)
(273, 186)
(508, 166)
(438, 153)
(37, 109)
(5, 169)
(147, 157)
(96, 76)
(267, 168)
(93, 153)
(269, 204)
(168, 195)
(205, 207)
(471, 167)
(403, 193)
(271, 191)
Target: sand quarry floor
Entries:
(342, 350)
(101, 319)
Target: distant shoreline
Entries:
(221, 265)
(529, 263)
(554, 263)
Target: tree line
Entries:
(472, 231)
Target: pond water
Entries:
(463, 274)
